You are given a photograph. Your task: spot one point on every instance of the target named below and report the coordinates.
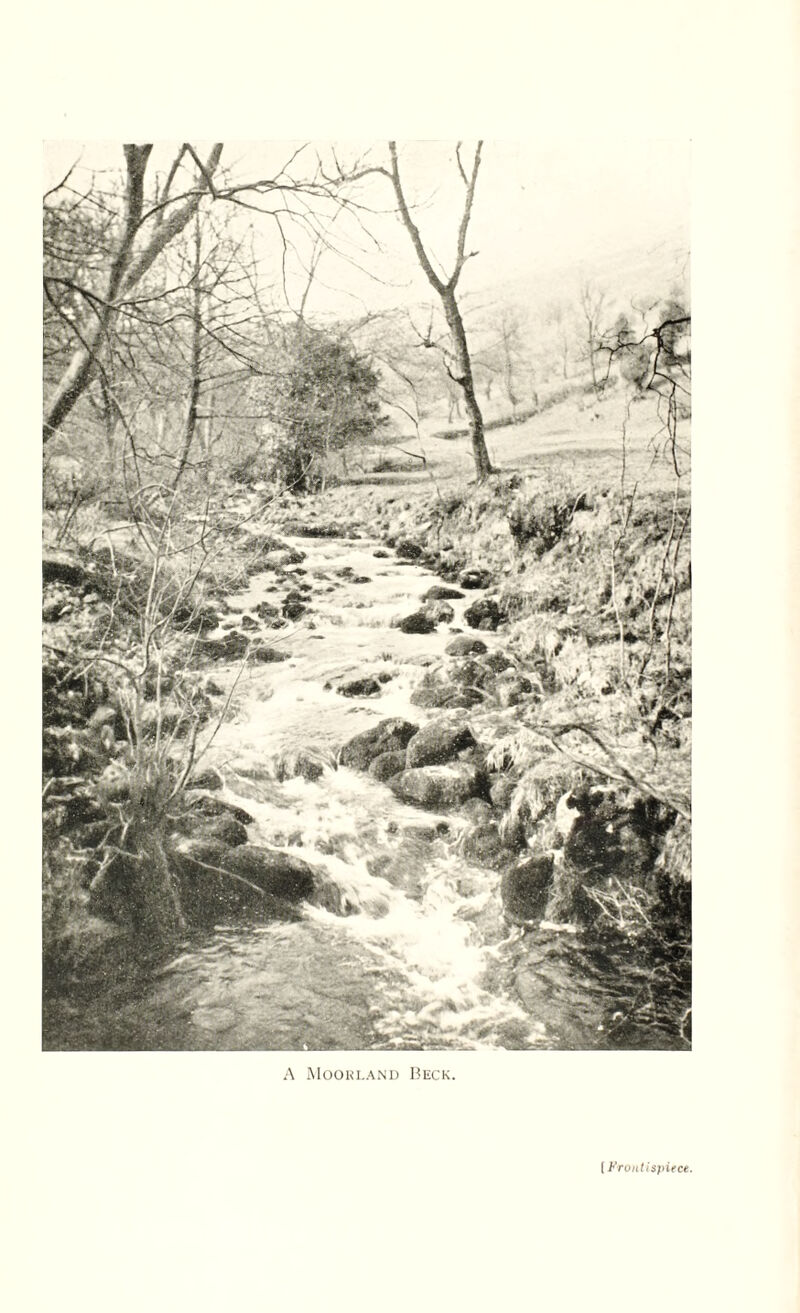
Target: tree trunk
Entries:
(152, 892)
(453, 406)
(110, 418)
(592, 365)
(508, 376)
(188, 433)
(464, 379)
(194, 387)
(206, 435)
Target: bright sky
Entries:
(539, 208)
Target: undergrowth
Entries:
(126, 722)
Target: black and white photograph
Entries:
(401, 759)
(366, 604)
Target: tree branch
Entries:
(461, 258)
(422, 255)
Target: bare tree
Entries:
(128, 234)
(128, 267)
(556, 320)
(176, 368)
(453, 400)
(592, 301)
(510, 341)
(446, 291)
(459, 366)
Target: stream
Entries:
(423, 958)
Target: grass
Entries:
(571, 441)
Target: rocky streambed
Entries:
(355, 862)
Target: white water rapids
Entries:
(423, 959)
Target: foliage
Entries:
(635, 364)
(539, 522)
(671, 312)
(621, 331)
(322, 399)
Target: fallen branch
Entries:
(622, 774)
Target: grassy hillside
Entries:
(582, 434)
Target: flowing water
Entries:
(418, 955)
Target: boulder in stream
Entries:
(477, 810)
(205, 805)
(408, 549)
(228, 647)
(209, 779)
(476, 578)
(434, 692)
(360, 688)
(438, 743)
(482, 846)
(436, 787)
(453, 684)
(276, 872)
(483, 614)
(224, 827)
(214, 879)
(441, 613)
(258, 540)
(502, 791)
(441, 593)
(525, 889)
(297, 761)
(304, 529)
(203, 619)
(387, 765)
(390, 735)
(419, 622)
(269, 614)
(288, 556)
(470, 673)
(465, 645)
(264, 654)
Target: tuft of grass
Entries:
(539, 522)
